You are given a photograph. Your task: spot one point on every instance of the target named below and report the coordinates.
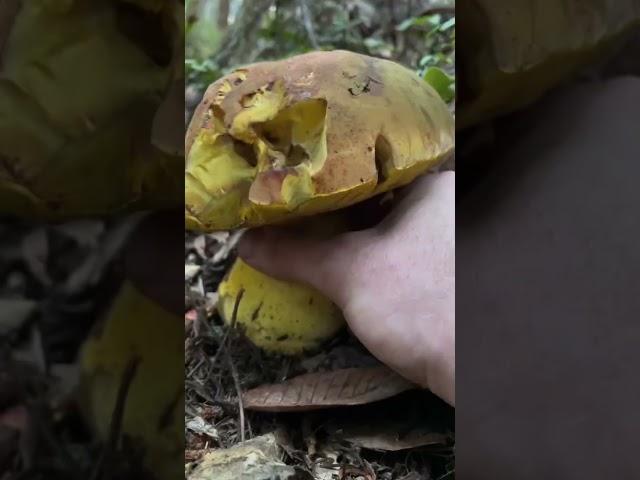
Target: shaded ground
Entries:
(55, 281)
(221, 364)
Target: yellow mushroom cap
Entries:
(517, 50)
(309, 134)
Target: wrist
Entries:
(440, 359)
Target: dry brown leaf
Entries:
(393, 441)
(350, 386)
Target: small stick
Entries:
(234, 315)
(234, 318)
(232, 367)
(236, 381)
(115, 429)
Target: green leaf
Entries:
(442, 83)
(406, 24)
(448, 24)
(427, 59)
(433, 20)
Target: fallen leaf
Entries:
(194, 455)
(226, 247)
(201, 426)
(350, 386)
(211, 302)
(417, 419)
(191, 271)
(391, 441)
(111, 243)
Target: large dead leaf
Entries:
(350, 386)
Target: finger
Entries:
(430, 196)
(326, 264)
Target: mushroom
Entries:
(76, 142)
(79, 89)
(514, 51)
(135, 352)
(278, 141)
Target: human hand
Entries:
(395, 282)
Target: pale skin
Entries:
(394, 282)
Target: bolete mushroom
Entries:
(313, 133)
(513, 51)
(79, 89)
(135, 352)
(277, 141)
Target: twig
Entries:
(234, 318)
(236, 381)
(115, 428)
(236, 306)
(308, 24)
(232, 367)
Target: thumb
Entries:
(325, 264)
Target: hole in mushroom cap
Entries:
(296, 134)
(218, 112)
(246, 151)
(239, 76)
(383, 158)
(248, 99)
(296, 156)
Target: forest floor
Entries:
(55, 281)
(407, 436)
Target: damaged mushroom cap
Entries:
(313, 133)
(520, 49)
(80, 85)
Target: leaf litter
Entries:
(226, 376)
(55, 280)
